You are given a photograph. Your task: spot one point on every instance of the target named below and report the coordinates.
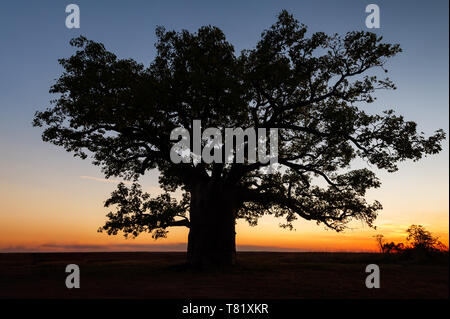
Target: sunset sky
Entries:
(51, 201)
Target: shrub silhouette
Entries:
(422, 239)
(421, 245)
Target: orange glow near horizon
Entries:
(64, 211)
(32, 227)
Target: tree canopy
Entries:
(312, 87)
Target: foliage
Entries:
(421, 245)
(312, 88)
(421, 239)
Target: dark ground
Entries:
(258, 275)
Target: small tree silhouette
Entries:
(421, 246)
(380, 242)
(392, 247)
(422, 239)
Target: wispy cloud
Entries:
(75, 247)
(19, 249)
(114, 247)
(154, 190)
(105, 180)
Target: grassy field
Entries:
(258, 275)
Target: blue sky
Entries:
(34, 36)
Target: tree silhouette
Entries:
(422, 239)
(122, 113)
(380, 242)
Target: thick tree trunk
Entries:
(211, 241)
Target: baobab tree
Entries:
(313, 89)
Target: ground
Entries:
(268, 275)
